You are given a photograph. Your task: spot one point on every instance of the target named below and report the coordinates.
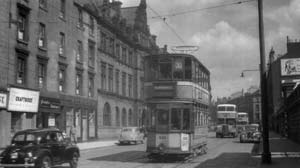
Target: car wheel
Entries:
(45, 162)
(74, 160)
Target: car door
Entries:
(56, 145)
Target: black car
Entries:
(40, 148)
(250, 133)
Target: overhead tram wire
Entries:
(201, 9)
(170, 27)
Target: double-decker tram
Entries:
(177, 92)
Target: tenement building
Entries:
(72, 63)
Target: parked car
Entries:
(131, 134)
(39, 148)
(250, 133)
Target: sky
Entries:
(227, 36)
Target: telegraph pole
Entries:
(266, 155)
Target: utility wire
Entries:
(201, 9)
(170, 27)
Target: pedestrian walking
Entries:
(73, 134)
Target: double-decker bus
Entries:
(226, 120)
(177, 94)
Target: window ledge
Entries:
(62, 18)
(42, 48)
(43, 8)
(22, 41)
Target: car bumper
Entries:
(18, 165)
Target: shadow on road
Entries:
(128, 156)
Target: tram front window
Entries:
(175, 119)
(162, 117)
(186, 119)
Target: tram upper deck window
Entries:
(162, 116)
(178, 68)
(188, 68)
(151, 70)
(165, 68)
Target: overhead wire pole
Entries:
(266, 155)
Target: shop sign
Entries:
(23, 100)
(290, 66)
(51, 122)
(3, 100)
(49, 103)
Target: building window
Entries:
(117, 116)
(92, 26)
(61, 79)
(130, 85)
(42, 36)
(117, 81)
(130, 58)
(79, 51)
(103, 42)
(118, 51)
(80, 18)
(21, 70)
(61, 44)
(142, 88)
(103, 76)
(124, 117)
(106, 115)
(124, 55)
(43, 4)
(111, 46)
(78, 90)
(91, 86)
(130, 118)
(123, 83)
(62, 11)
(22, 24)
(110, 78)
(41, 75)
(91, 54)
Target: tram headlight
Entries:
(161, 147)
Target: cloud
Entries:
(226, 52)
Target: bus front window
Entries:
(175, 119)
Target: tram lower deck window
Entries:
(186, 119)
(162, 117)
(175, 119)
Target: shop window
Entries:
(23, 25)
(62, 11)
(175, 119)
(21, 70)
(92, 124)
(110, 78)
(165, 69)
(106, 115)
(117, 116)
(78, 122)
(124, 117)
(42, 36)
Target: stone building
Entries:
(67, 63)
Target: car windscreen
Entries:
(251, 128)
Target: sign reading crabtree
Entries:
(23, 100)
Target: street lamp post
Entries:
(266, 155)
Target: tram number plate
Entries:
(162, 137)
(184, 142)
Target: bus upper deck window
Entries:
(162, 117)
(230, 108)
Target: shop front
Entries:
(23, 106)
(4, 119)
(80, 113)
(50, 114)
